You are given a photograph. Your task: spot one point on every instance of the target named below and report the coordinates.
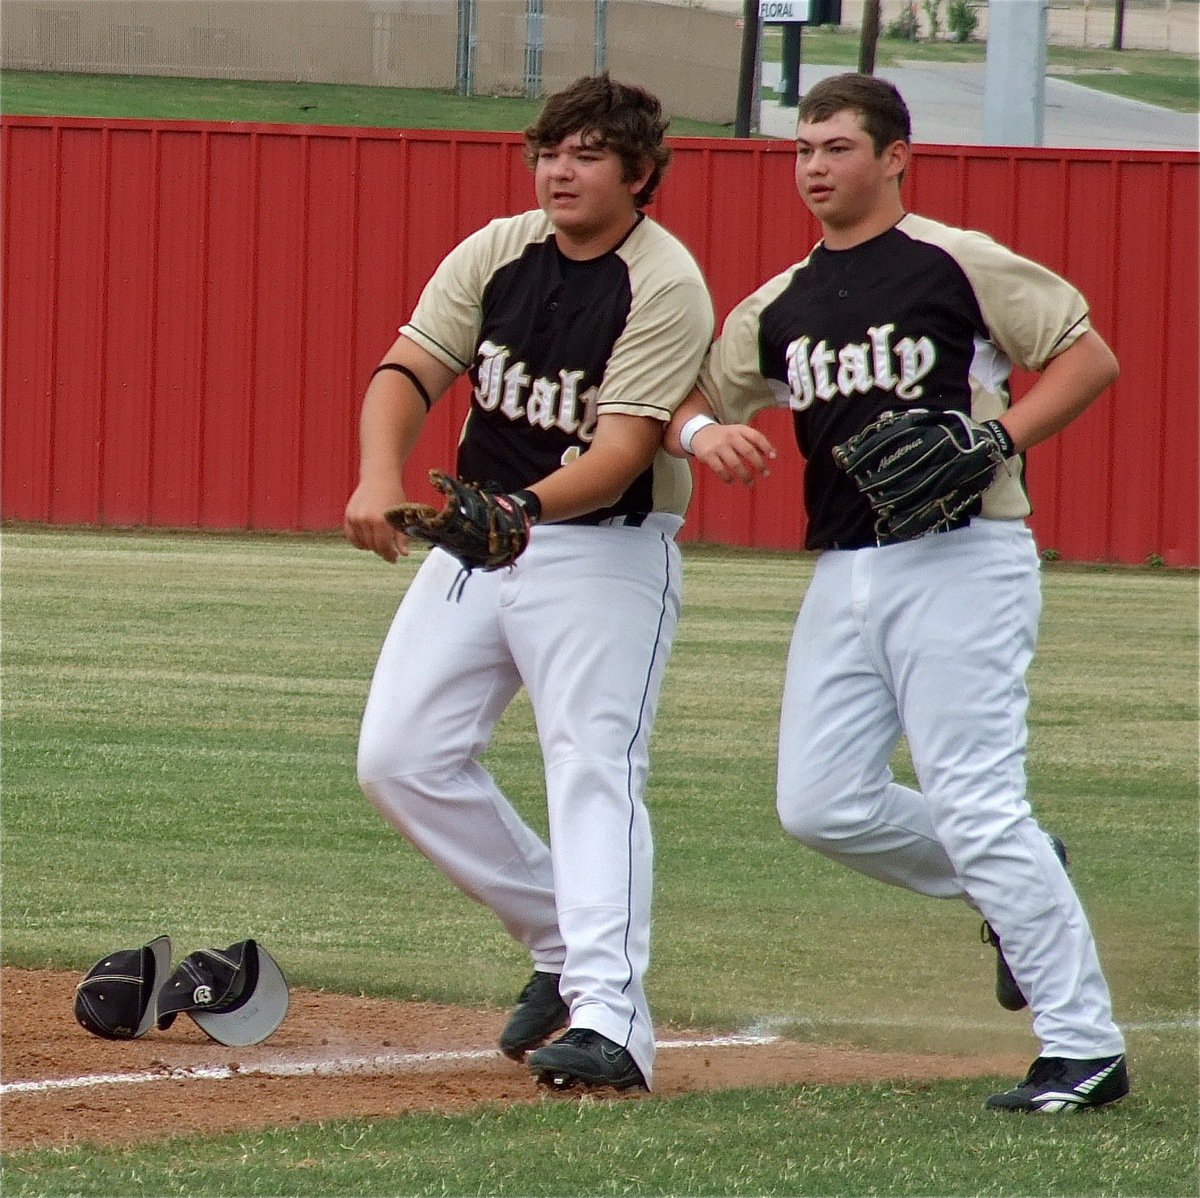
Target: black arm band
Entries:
(412, 378)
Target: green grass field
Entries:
(38, 93)
(193, 699)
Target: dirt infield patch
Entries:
(337, 1056)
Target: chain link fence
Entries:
(688, 51)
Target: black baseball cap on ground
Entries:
(237, 995)
(116, 998)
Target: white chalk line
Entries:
(395, 1062)
(763, 1031)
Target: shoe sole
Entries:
(1054, 1106)
(1108, 1083)
(560, 1081)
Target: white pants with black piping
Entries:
(585, 621)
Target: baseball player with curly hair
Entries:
(581, 326)
(926, 636)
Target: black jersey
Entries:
(550, 344)
(924, 315)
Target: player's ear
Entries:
(896, 158)
(641, 178)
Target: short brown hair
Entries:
(619, 116)
(881, 107)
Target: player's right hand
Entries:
(734, 452)
(365, 525)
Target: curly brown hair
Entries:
(619, 116)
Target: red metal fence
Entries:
(191, 312)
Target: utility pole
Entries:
(746, 80)
(1014, 78)
(535, 35)
(1118, 25)
(464, 67)
(869, 38)
(601, 36)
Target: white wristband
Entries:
(687, 434)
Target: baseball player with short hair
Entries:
(581, 326)
(931, 637)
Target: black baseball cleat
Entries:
(1008, 993)
(583, 1057)
(1058, 1085)
(539, 1013)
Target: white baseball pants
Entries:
(585, 621)
(932, 639)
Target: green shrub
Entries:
(905, 27)
(962, 20)
(931, 15)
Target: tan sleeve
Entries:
(656, 358)
(452, 300)
(1031, 313)
(450, 304)
(731, 377)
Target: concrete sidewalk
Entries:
(946, 103)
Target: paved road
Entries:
(946, 102)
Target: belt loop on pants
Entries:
(662, 522)
(631, 520)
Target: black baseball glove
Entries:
(923, 471)
(484, 529)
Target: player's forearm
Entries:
(694, 405)
(623, 448)
(402, 389)
(1064, 390)
(390, 425)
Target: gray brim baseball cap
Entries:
(236, 995)
(115, 1000)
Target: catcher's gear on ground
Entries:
(923, 471)
(484, 529)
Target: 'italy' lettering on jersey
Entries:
(821, 372)
(923, 315)
(501, 383)
(551, 344)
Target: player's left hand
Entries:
(734, 452)
(485, 530)
(923, 471)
